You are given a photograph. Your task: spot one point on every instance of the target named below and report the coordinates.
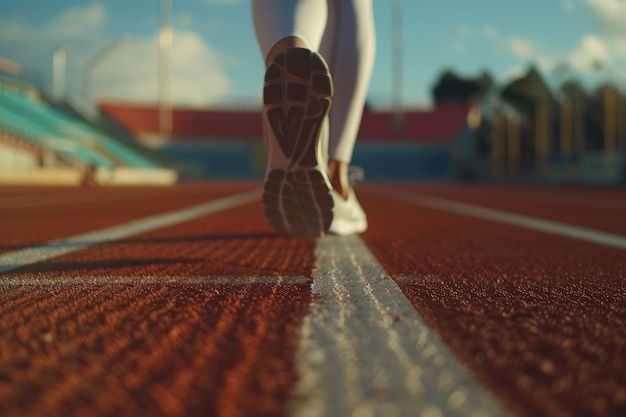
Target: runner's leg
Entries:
(349, 46)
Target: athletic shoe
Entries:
(297, 95)
(349, 217)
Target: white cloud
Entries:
(77, 22)
(73, 24)
(130, 73)
(611, 17)
(611, 14)
(521, 48)
(604, 50)
(590, 51)
(527, 51)
(32, 46)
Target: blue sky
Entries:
(216, 60)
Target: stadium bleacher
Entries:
(79, 152)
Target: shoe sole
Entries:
(297, 97)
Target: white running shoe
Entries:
(297, 194)
(348, 217)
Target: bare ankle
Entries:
(338, 175)
(281, 45)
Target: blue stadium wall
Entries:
(245, 160)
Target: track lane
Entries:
(584, 234)
(364, 350)
(601, 209)
(190, 335)
(235, 243)
(536, 317)
(409, 240)
(149, 349)
(9, 192)
(78, 210)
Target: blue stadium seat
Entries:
(44, 126)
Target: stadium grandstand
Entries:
(475, 131)
(525, 131)
(43, 142)
(219, 143)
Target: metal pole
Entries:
(59, 60)
(165, 42)
(397, 67)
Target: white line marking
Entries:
(365, 351)
(574, 197)
(28, 256)
(173, 280)
(528, 222)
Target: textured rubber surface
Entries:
(539, 319)
(237, 243)
(601, 209)
(297, 98)
(173, 350)
(32, 216)
(187, 347)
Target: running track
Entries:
(459, 300)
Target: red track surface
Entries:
(539, 319)
(32, 216)
(601, 209)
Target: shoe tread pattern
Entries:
(297, 98)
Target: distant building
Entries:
(532, 97)
(605, 121)
(573, 118)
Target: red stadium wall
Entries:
(439, 125)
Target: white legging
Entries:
(343, 32)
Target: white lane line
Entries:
(528, 222)
(149, 279)
(28, 256)
(547, 196)
(365, 351)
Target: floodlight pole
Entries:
(397, 67)
(165, 42)
(59, 64)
